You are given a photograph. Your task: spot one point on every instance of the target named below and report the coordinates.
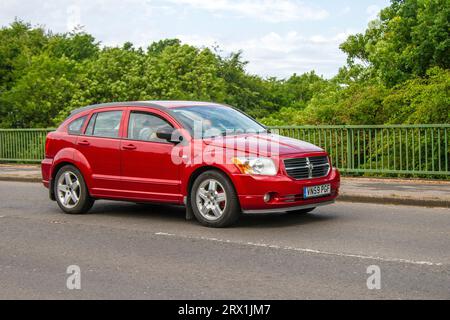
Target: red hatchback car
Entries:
(212, 158)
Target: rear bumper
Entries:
(46, 168)
(287, 193)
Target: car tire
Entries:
(71, 192)
(302, 211)
(214, 201)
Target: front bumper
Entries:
(305, 206)
(287, 193)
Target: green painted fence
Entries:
(421, 150)
(22, 145)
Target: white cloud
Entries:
(267, 10)
(278, 53)
(198, 41)
(345, 11)
(73, 17)
(64, 15)
(373, 11)
(283, 54)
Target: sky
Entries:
(277, 37)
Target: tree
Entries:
(409, 37)
(75, 46)
(18, 44)
(47, 85)
(244, 91)
(182, 72)
(397, 71)
(421, 100)
(158, 47)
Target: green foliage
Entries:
(36, 98)
(421, 100)
(397, 72)
(182, 72)
(254, 95)
(18, 44)
(158, 47)
(410, 37)
(75, 46)
(417, 101)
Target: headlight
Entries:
(256, 166)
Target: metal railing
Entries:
(421, 150)
(381, 149)
(22, 145)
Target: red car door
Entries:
(148, 172)
(100, 146)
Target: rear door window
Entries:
(105, 124)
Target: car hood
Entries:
(263, 144)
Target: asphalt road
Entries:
(129, 251)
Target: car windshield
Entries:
(213, 121)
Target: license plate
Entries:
(316, 191)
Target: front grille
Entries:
(307, 168)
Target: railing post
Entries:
(349, 163)
(403, 149)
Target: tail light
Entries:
(47, 146)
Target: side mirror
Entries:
(170, 135)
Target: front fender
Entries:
(228, 170)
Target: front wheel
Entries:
(214, 200)
(71, 191)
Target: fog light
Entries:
(267, 197)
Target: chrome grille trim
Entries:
(307, 167)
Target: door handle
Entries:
(129, 147)
(84, 143)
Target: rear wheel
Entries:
(71, 192)
(214, 200)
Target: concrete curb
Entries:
(20, 179)
(344, 197)
(434, 203)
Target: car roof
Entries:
(157, 104)
(180, 103)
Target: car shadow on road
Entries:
(138, 210)
(171, 213)
(280, 220)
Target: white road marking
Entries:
(304, 250)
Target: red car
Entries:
(212, 158)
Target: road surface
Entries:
(129, 251)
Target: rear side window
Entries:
(105, 124)
(76, 125)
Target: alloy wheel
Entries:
(211, 199)
(69, 190)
